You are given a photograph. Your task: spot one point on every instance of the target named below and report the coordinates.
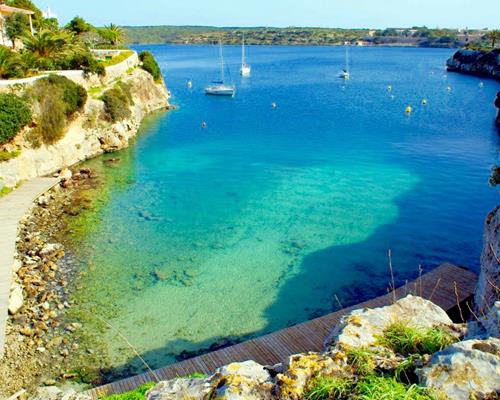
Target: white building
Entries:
(6, 11)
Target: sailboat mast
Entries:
(221, 62)
(243, 61)
(347, 57)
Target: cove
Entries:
(270, 217)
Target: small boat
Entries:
(345, 72)
(245, 69)
(219, 88)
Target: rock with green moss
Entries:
(464, 370)
(365, 327)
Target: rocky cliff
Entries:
(487, 292)
(497, 104)
(476, 62)
(89, 134)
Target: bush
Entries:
(11, 64)
(149, 64)
(15, 114)
(56, 99)
(117, 102)
(8, 155)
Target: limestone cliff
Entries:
(487, 289)
(89, 134)
(474, 62)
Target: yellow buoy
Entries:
(389, 88)
(424, 102)
(409, 110)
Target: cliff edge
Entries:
(476, 62)
(89, 133)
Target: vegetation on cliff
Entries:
(117, 102)
(15, 114)
(149, 64)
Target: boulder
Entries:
(301, 368)
(238, 381)
(487, 291)
(16, 298)
(244, 381)
(360, 328)
(183, 388)
(464, 370)
(65, 175)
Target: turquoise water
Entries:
(266, 217)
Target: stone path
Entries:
(12, 208)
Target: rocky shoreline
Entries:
(41, 339)
(476, 62)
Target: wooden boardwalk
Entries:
(308, 336)
(12, 208)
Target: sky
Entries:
(283, 13)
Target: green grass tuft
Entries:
(406, 340)
(137, 394)
(361, 360)
(328, 388)
(388, 388)
(8, 155)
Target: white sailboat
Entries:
(219, 88)
(245, 69)
(345, 74)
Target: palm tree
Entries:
(113, 34)
(494, 37)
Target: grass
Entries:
(137, 394)
(407, 340)
(388, 388)
(8, 155)
(117, 59)
(328, 388)
(361, 360)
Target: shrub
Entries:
(137, 394)
(73, 95)
(408, 340)
(15, 114)
(149, 64)
(8, 155)
(117, 102)
(328, 387)
(11, 64)
(56, 99)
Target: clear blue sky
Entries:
(325, 13)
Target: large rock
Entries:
(497, 105)
(244, 381)
(465, 370)
(362, 327)
(301, 368)
(238, 381)
(487, 291)
(476, 62)
(183, 388)
(16, 298)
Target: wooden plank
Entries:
(309, 336)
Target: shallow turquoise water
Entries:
(259, 221)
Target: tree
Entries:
(112, 34)
(78, 25)
(28, 5)
(11, 65)
(494, 37)
(16, 26)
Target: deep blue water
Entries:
(260, 220)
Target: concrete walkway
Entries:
(12, 208)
